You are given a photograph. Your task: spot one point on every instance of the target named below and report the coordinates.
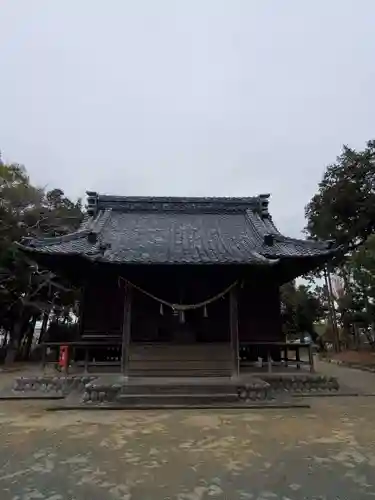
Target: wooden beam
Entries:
(233, 319)
(126, 327)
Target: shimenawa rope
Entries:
(182, 307)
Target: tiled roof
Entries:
(134, 230)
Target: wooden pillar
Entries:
(81, 321)
(311, 359)
(44, 357)
(126, 325)
(233, 318)
(86, 359)
(286, 356)
(298, 357)
(269, 360)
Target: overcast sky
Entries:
(186, 97)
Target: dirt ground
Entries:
(363, 357)
(325, 452)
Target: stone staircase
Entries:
(179, 360)
(178, 392)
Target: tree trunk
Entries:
(44, 326)
(345, 278)
(16, 335)
(347, 290)
(370, 337)
(29, 340)
(356, 337)
(5, 339)
(332, 311)
(14, 343)
(371, 325)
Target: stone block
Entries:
(252, 395)
(243, 394)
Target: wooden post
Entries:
(44, 356)
(311, 359)
(66, 367)
(269, 360)
(286, 352)
(86, 359)
(126, 325)
(298, 357)
(233, 318)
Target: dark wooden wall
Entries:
(102, 307)
(258, 305)
(259, 311)
(151, 322)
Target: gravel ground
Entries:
(326, 452)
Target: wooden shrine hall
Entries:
(179, 286)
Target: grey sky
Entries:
(197, 97)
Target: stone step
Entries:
(171, 389)
(177, 364)
(231, 405)
(175, 399)
(183, 372)
(196, 352)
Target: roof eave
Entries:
(260, 261)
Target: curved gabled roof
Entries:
(140, 230)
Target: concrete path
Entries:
(349, 378)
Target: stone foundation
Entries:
(301, 384)
(115, 389)
(101, 393)
(52, 385)
(268, 388)
(255, 390)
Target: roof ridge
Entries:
(254, 224)
(180, 198)
(97, 202)
(96, 224)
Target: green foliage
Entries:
(29, 211)
(362, 264)
(301, 309)
(62, 332)
(358, 302)
(343, 209)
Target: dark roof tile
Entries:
(179, 231)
